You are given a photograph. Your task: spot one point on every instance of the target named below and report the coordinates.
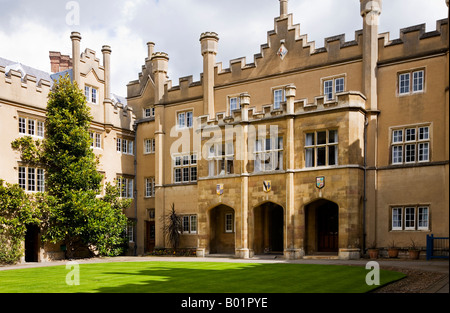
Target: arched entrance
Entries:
(268, 229)
(322, 227)
(222, 230)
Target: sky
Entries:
(29, 29)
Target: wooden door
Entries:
(328, 226)
(150, 236)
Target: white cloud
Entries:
(29, 29)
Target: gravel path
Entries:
(416, 281)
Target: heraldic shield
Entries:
(267, 185)
(219, 189)
(320, 182)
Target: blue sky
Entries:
(30, 29)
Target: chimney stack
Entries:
(76, 38)
(209, 42)
(283, 8)
(106, 50)
(151, 48)
(59, 62)
(370, 12)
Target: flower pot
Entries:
(373, 253)
(393, 253)
(414, 254)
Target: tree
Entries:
(15, 213)
(173, 227)
(74, 213)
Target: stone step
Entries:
(321, 257)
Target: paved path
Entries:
(439, 266)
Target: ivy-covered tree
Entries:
(16, 212)
(76, 215)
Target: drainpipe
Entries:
(366, 123)
(135, 127)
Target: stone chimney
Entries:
(151, 48)
(160, 66)
(209, 42)
(106, 50)
(283, 8)
(370, 12)
(59, 62)
(76, 38)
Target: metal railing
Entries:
(437, 247)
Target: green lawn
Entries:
(194, 277)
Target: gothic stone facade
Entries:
(304, 151)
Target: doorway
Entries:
(32, 243)
(268, 229)
(222, 230)
(322, 227)
(150, 235)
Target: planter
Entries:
(373, 253)
(393, 253)
(414, 254)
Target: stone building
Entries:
(304, 151)
(23, 101)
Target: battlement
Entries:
(19, 86)
(350, 100)
(289, 51)
(413, 41)
(287, 48)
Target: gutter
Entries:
(366, 123)
(135, 127)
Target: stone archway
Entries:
(268, 229)
(222, 230)
(322, 227)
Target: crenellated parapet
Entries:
(19, 87)
(288, 50)
(413, 41)
(350, 100)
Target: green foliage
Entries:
(173, 227)
(16, 212)
(71, 163)
(31, 151)
(71, 211)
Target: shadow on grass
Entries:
(198, 277)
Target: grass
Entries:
(194, 277)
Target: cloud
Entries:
(29, 29)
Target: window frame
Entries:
(91, 93)
(414, 146)
(185, 163)
(31, 179)
(411, 218)
(229, 227)
(125, 185)
(149, 187)
(408, 83)
(149, 146)
(189, 224)
(149, 112)
(315, 146)
(268, 154)
(330, 87)
(278, 100)
(187, 119)
(125, 146)
(30, 126)
(237, 103)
